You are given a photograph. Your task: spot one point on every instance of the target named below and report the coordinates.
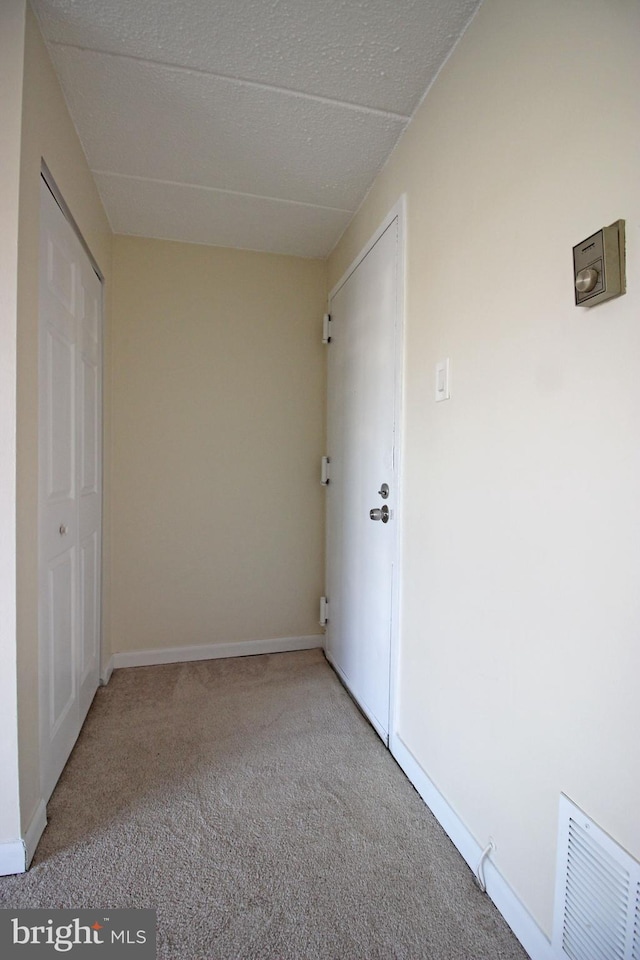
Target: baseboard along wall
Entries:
(516, 915)
(16, 855)
(210, 651)
(12, 857)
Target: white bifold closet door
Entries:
(70, 487)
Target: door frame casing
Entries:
(397, 212)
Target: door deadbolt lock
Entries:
(384, 491)
(380, 513)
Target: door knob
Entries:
(380, 513)
(63, 529)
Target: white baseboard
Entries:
(512, 909)
(35, 831)
(12, 857)
(105, 673)
(16, 855)
(214, 651)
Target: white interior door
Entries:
(70, 470)
(362, 394)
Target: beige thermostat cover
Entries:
(599, 266)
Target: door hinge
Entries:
(324, 611)
(325, 479)
(326, 328)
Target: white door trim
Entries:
(398, 212)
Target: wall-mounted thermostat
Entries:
(598, 266)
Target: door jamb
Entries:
(399, 212)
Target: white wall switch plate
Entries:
(442, 380)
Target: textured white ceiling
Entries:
(248, 123)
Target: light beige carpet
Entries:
(251, 804)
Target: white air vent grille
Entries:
(597, 893)
(635, 953)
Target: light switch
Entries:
(442, 380)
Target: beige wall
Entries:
(12, 20)
(519, 654)
(47, 132)
(218, 380)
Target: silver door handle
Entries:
(380, 513)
